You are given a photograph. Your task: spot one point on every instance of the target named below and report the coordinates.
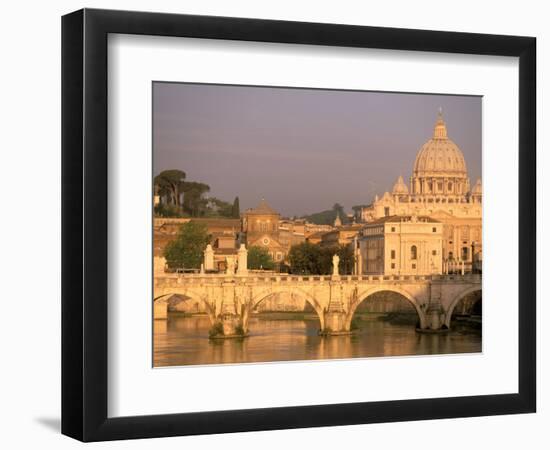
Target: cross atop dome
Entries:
(440, 129)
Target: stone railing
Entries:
(198, 278)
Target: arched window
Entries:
(413, 252)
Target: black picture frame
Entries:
(84, 224)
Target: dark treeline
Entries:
(328, 216)
(312, 259)
(183, 198)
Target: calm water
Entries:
(184, 340)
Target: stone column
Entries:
(208, 258)
(242, 261)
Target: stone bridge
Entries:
(230, 298)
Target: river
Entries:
(183, 340)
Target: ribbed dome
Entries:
(400, 187)
(440, 156)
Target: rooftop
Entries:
(400, 219)
(262, 208)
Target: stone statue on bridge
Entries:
(230, 265)
(335, 264)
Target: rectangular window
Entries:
(414, 266)
(393, 254)
(393, 265)
(393, 229)
(434, 252)
(434, 230)
(386, 211)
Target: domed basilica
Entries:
(439, 188)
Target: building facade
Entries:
(401, 245)
(260, 226)
(439, 188)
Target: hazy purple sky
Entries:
(302, 149)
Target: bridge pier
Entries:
(231, 323)
(231, 327)
(160, 310)
(335, 323)
(434, 317)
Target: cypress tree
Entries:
(235, 210)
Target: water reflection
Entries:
(184, 341)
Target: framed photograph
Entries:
(273, 224)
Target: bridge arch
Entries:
(363, 296)
(164, 298)
(263, 295)
(456, 300)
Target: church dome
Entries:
(477, 189)
(400, 187)
(440, 156)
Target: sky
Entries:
(302, 149)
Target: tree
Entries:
(216, 207)
(193, 201)
(259, 258)
(236, 210)
(305, 258)
(339, 211)
(347, 259)
(186, 251)
(170, 183)
(312, 259)
(328, 216)
(162, 210)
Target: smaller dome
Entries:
(477, 189)
(400, 187)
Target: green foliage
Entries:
(347, 259)
(216, 330)
(194, 202)
(259, 258)
(218, 208)
(307, 259)
(235, 209)
(329, 216)
(169, 184)
(167, 210)
(186, 251)
(312, 259)
(322, 218)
